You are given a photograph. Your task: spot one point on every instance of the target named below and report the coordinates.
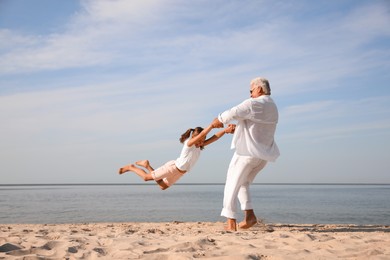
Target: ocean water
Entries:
(314, 204)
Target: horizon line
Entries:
(189, 183)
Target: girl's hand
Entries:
(230, 129)
(216, 123)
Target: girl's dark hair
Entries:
(187, 133)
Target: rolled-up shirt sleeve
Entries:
(241, 111)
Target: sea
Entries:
(273, 203)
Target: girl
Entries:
(170, 172)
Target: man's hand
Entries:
(230, 129)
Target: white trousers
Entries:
(241, 173)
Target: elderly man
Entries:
(254, 145)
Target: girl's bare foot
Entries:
(126, 168)
(143, 163)
(123, 170)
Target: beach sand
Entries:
(189, 240)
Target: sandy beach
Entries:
(189, 240)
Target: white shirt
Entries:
(188, 157)
(255, 129)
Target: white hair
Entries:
(263, 84)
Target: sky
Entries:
(89, 86)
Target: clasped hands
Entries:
(229, 129)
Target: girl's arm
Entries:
(228, 129)
(200, 136)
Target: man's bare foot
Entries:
(231, 225)
(247, 223)
(143, 163)
(249, 219)
(126, 168)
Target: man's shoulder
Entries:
(263, 99)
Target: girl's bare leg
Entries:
(162, 185)
(141, 173)
(145, 164)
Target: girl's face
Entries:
(200, 142)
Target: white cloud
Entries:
(90, 39)
(308, 108)
(91, 113)
(140, 35)
(371, 20)
(9, 39)
(330, 119)
(119, 11)
(310, 134)
(356, 108)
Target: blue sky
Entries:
(88, 86)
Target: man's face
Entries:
(255, 91)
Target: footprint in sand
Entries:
(50, 249)
(158, 250)
(105, 242)
(100, 251)
(7, 247)
(73, 249)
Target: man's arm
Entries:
(240, 111)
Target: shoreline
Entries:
(188, 240)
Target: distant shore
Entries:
(188, 240)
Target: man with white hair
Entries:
(254, 145)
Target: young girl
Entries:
(170, 172)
